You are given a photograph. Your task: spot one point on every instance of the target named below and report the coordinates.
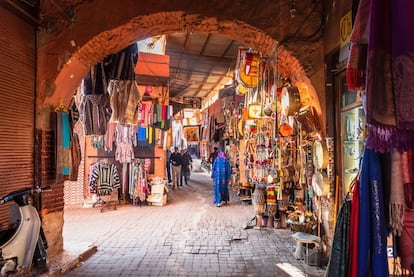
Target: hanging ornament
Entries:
(148, 90)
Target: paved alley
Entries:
(187, 237)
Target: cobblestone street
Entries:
(187, 237)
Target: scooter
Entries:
(23, 245)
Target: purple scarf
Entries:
(389, 74)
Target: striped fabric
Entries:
(106, 178)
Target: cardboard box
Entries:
(157, 200)
(157, 189)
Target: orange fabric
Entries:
(153, 65)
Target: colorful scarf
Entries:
(383, 26)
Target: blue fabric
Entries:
(364, 219)
(65, 143)
(65, 131)
(379, 260)
(221, 173)
(372, 233)
(141, 134)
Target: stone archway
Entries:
(114, 40)
(55, 86)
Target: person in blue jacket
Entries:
(221, 174)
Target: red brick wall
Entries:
(45, 171)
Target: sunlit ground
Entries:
(291, 270)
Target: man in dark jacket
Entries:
(176, 162)
(185, 166)
(168, 165)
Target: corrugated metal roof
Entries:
(200, 64)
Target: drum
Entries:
(309, 119)
(320, 183)
(282, 205)
(259, 201)
(290, 100)
(320, 154)
(270, 195)
(271, 209)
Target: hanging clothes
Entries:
(63, 135)
(126, 133)
(406, 242)
(124, 98)
(76, 157)
(124, 152)
(110, 136)
(381, 62)
(372, 233)
(95, 82)
(353, 232)
(104, 178)
(138, 181)
(120, 66)
(339, 258)
(95, 112)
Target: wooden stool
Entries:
(305, 239)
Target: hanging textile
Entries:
(354, 227)
(383, 27)
(396, 205)
(138, 181)
(75, 157)
(372, 233)
(110, 136)
(95, 82)
(124, 152)
(356, 66)
(121, 65)
(63, 143)
(104, 178)
(124, 98)
(406, 242)
(95, 112)
(141, 136)
(126, 133)
(338, 260)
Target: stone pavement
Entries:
(187, 237)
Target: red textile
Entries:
(353, 232)
(406, 244)
(356, 66)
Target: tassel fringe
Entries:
(396, 218)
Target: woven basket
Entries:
(301, 227)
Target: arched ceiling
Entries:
(77, 40)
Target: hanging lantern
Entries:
(148, 90)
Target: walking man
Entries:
(176, 162)
(185, 166)
(168, 165)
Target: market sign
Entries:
(345, 29)
(192, 102)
